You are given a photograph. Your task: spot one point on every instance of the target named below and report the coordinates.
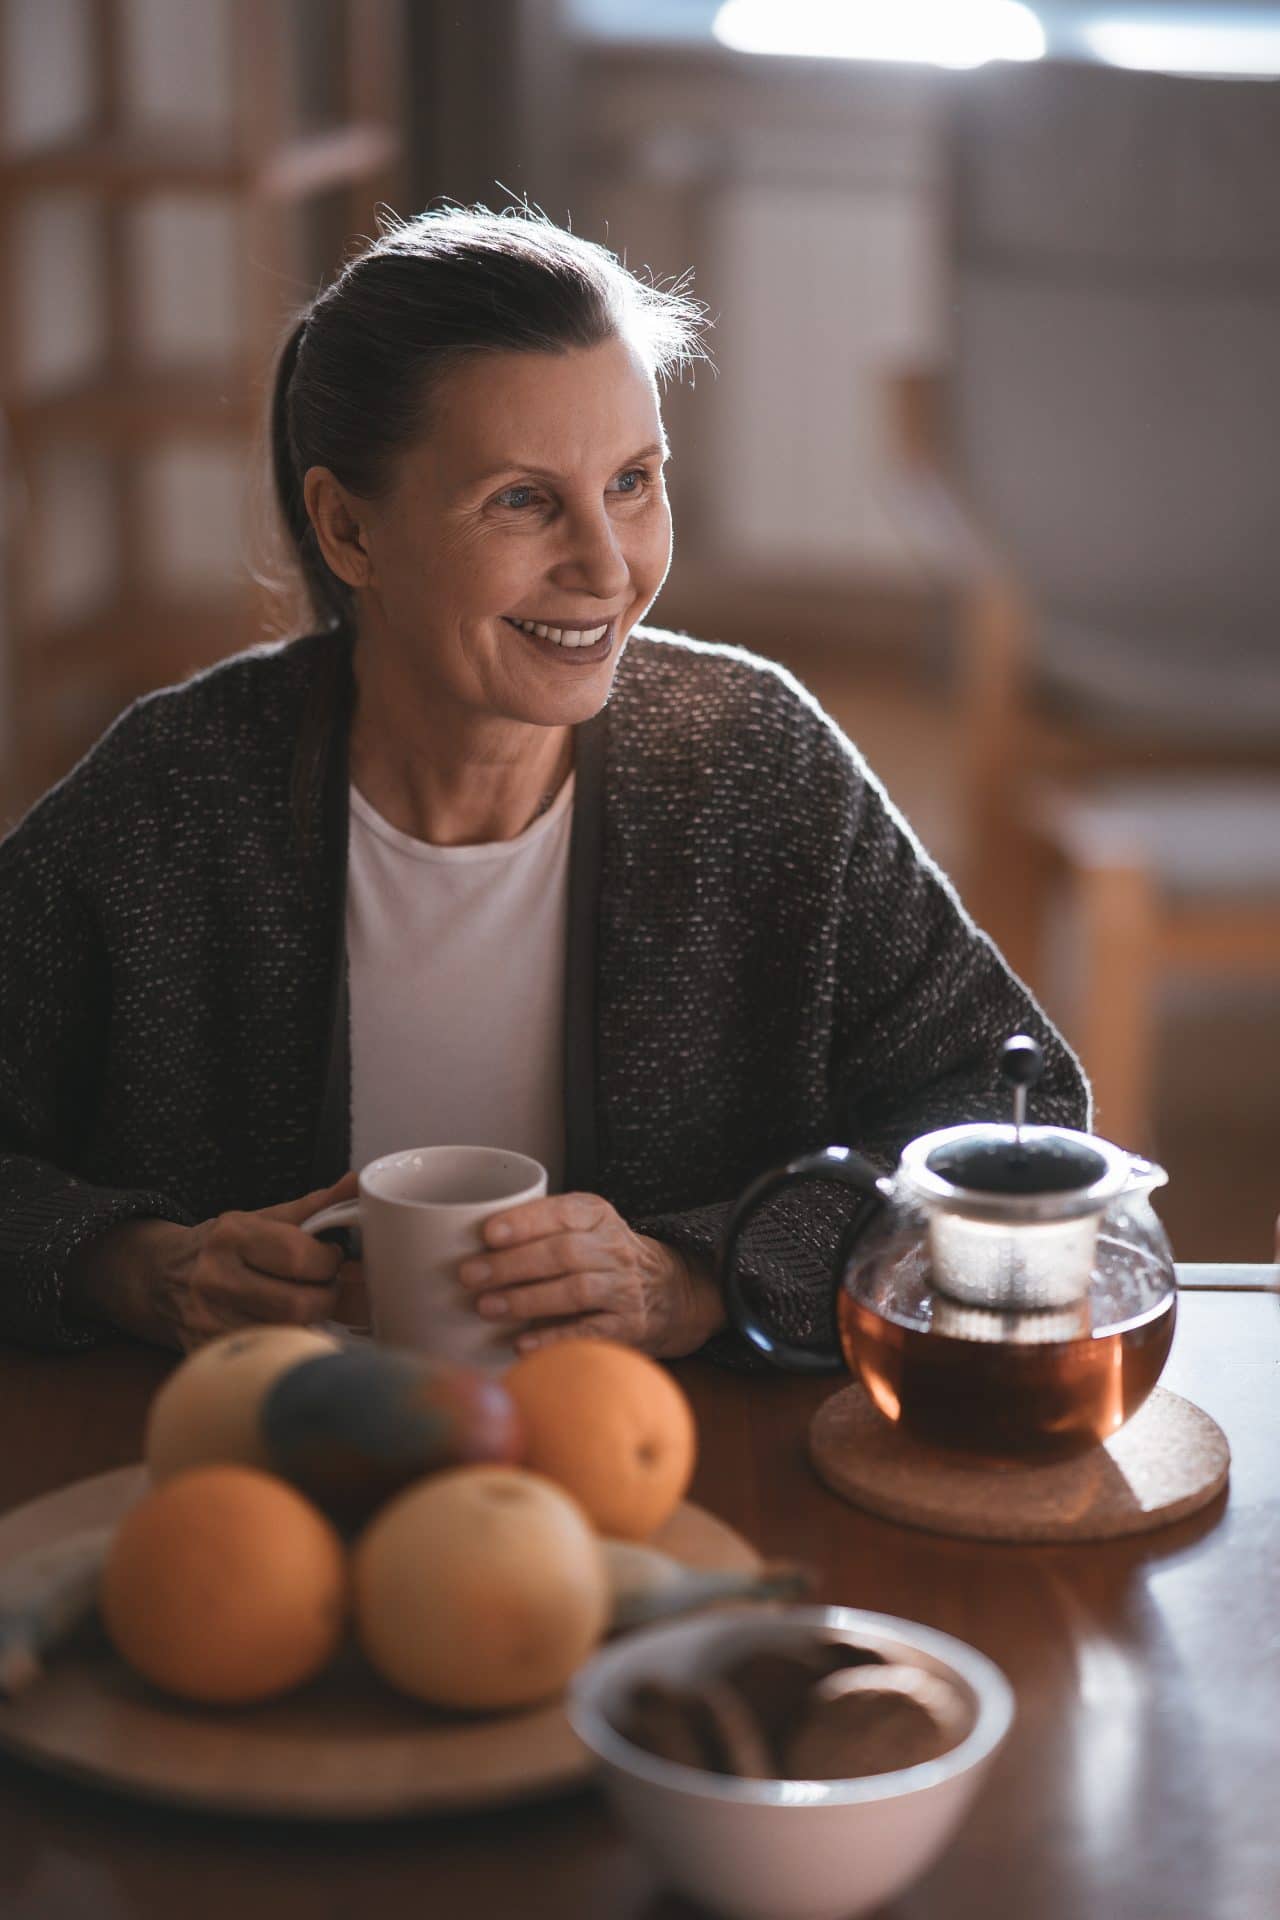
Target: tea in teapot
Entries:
(1008, 1291)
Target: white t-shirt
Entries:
(456, 961)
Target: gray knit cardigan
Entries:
(761, 960)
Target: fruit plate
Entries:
(346, 1746)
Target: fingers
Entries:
(533, 1260)
(232, 1297)
(278, 1304)
(556, 1213)
(572, 1293)
(565, 1260)
(274, 1248)
(255, 1297)
(295, 1211)
(248, 1269)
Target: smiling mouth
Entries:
(570, 638)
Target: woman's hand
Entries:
(181, 1286)
(569, 1266)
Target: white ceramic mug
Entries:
(419, 1214)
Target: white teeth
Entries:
(561, 636)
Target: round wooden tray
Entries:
(346, 1746)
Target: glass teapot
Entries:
(1008, 1291)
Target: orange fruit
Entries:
(482, 1587)
(207, 1410)
(225, 1585)
(609, 1425)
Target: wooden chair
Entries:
(281, 136)
(1097, 475)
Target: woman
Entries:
(480, 858)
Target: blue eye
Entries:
(507, 500)
(630, 484)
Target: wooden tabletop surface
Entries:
(1139, 1779)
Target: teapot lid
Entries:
(992, 1160)
(1017, 1172)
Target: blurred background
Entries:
(988, 457)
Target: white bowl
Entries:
(786, 1849)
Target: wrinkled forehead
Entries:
(576, 410)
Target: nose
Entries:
(593, 560)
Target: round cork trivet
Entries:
(1165, 1463)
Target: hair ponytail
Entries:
(330, 597)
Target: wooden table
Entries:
(1140, 1779)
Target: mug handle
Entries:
(830, 1163)
(345, 1214)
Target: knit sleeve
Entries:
(54, 1017)
(921, 1002)
(924, 1002)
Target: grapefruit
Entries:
(482, 1587)
(207, 1410)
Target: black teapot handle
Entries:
(831, 1163)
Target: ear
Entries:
(341, 528)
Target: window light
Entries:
(1235, 48)
(943, 33)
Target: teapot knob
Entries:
(1021, 1061)
(1021, 1064)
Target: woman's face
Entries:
(535, 499)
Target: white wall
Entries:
(824, 293)
(805, 196)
